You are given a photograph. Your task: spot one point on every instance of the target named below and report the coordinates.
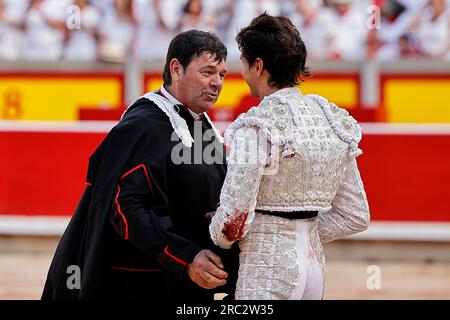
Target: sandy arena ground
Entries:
(22, 276)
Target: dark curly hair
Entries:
(277, 42)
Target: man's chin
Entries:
(207, 106)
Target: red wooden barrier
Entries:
(406, 176)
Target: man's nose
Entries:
(217, 81)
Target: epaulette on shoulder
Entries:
(272, 116)
(342, 123)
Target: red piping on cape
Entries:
(166, 251)
(118, 192)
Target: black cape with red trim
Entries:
(141, 217)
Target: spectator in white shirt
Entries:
(82, 43)
(390, 41)
(316, 29)
(431, 29)
(156, 26)
(116, 33)
(12, 14)
(349, 30)
(195, 17)
(44, 29)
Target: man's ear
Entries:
(259, 66)
(176, 69)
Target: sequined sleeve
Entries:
(246, 163)
(350, 209)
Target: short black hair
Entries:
(277, 42)
(192, 43)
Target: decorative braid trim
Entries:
(262, 125)
(345, 136)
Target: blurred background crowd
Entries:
(111, 30)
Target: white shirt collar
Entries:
(173, 100)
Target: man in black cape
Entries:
(141, 227)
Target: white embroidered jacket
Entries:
(292, 153)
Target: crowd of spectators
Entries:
(113, 30)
